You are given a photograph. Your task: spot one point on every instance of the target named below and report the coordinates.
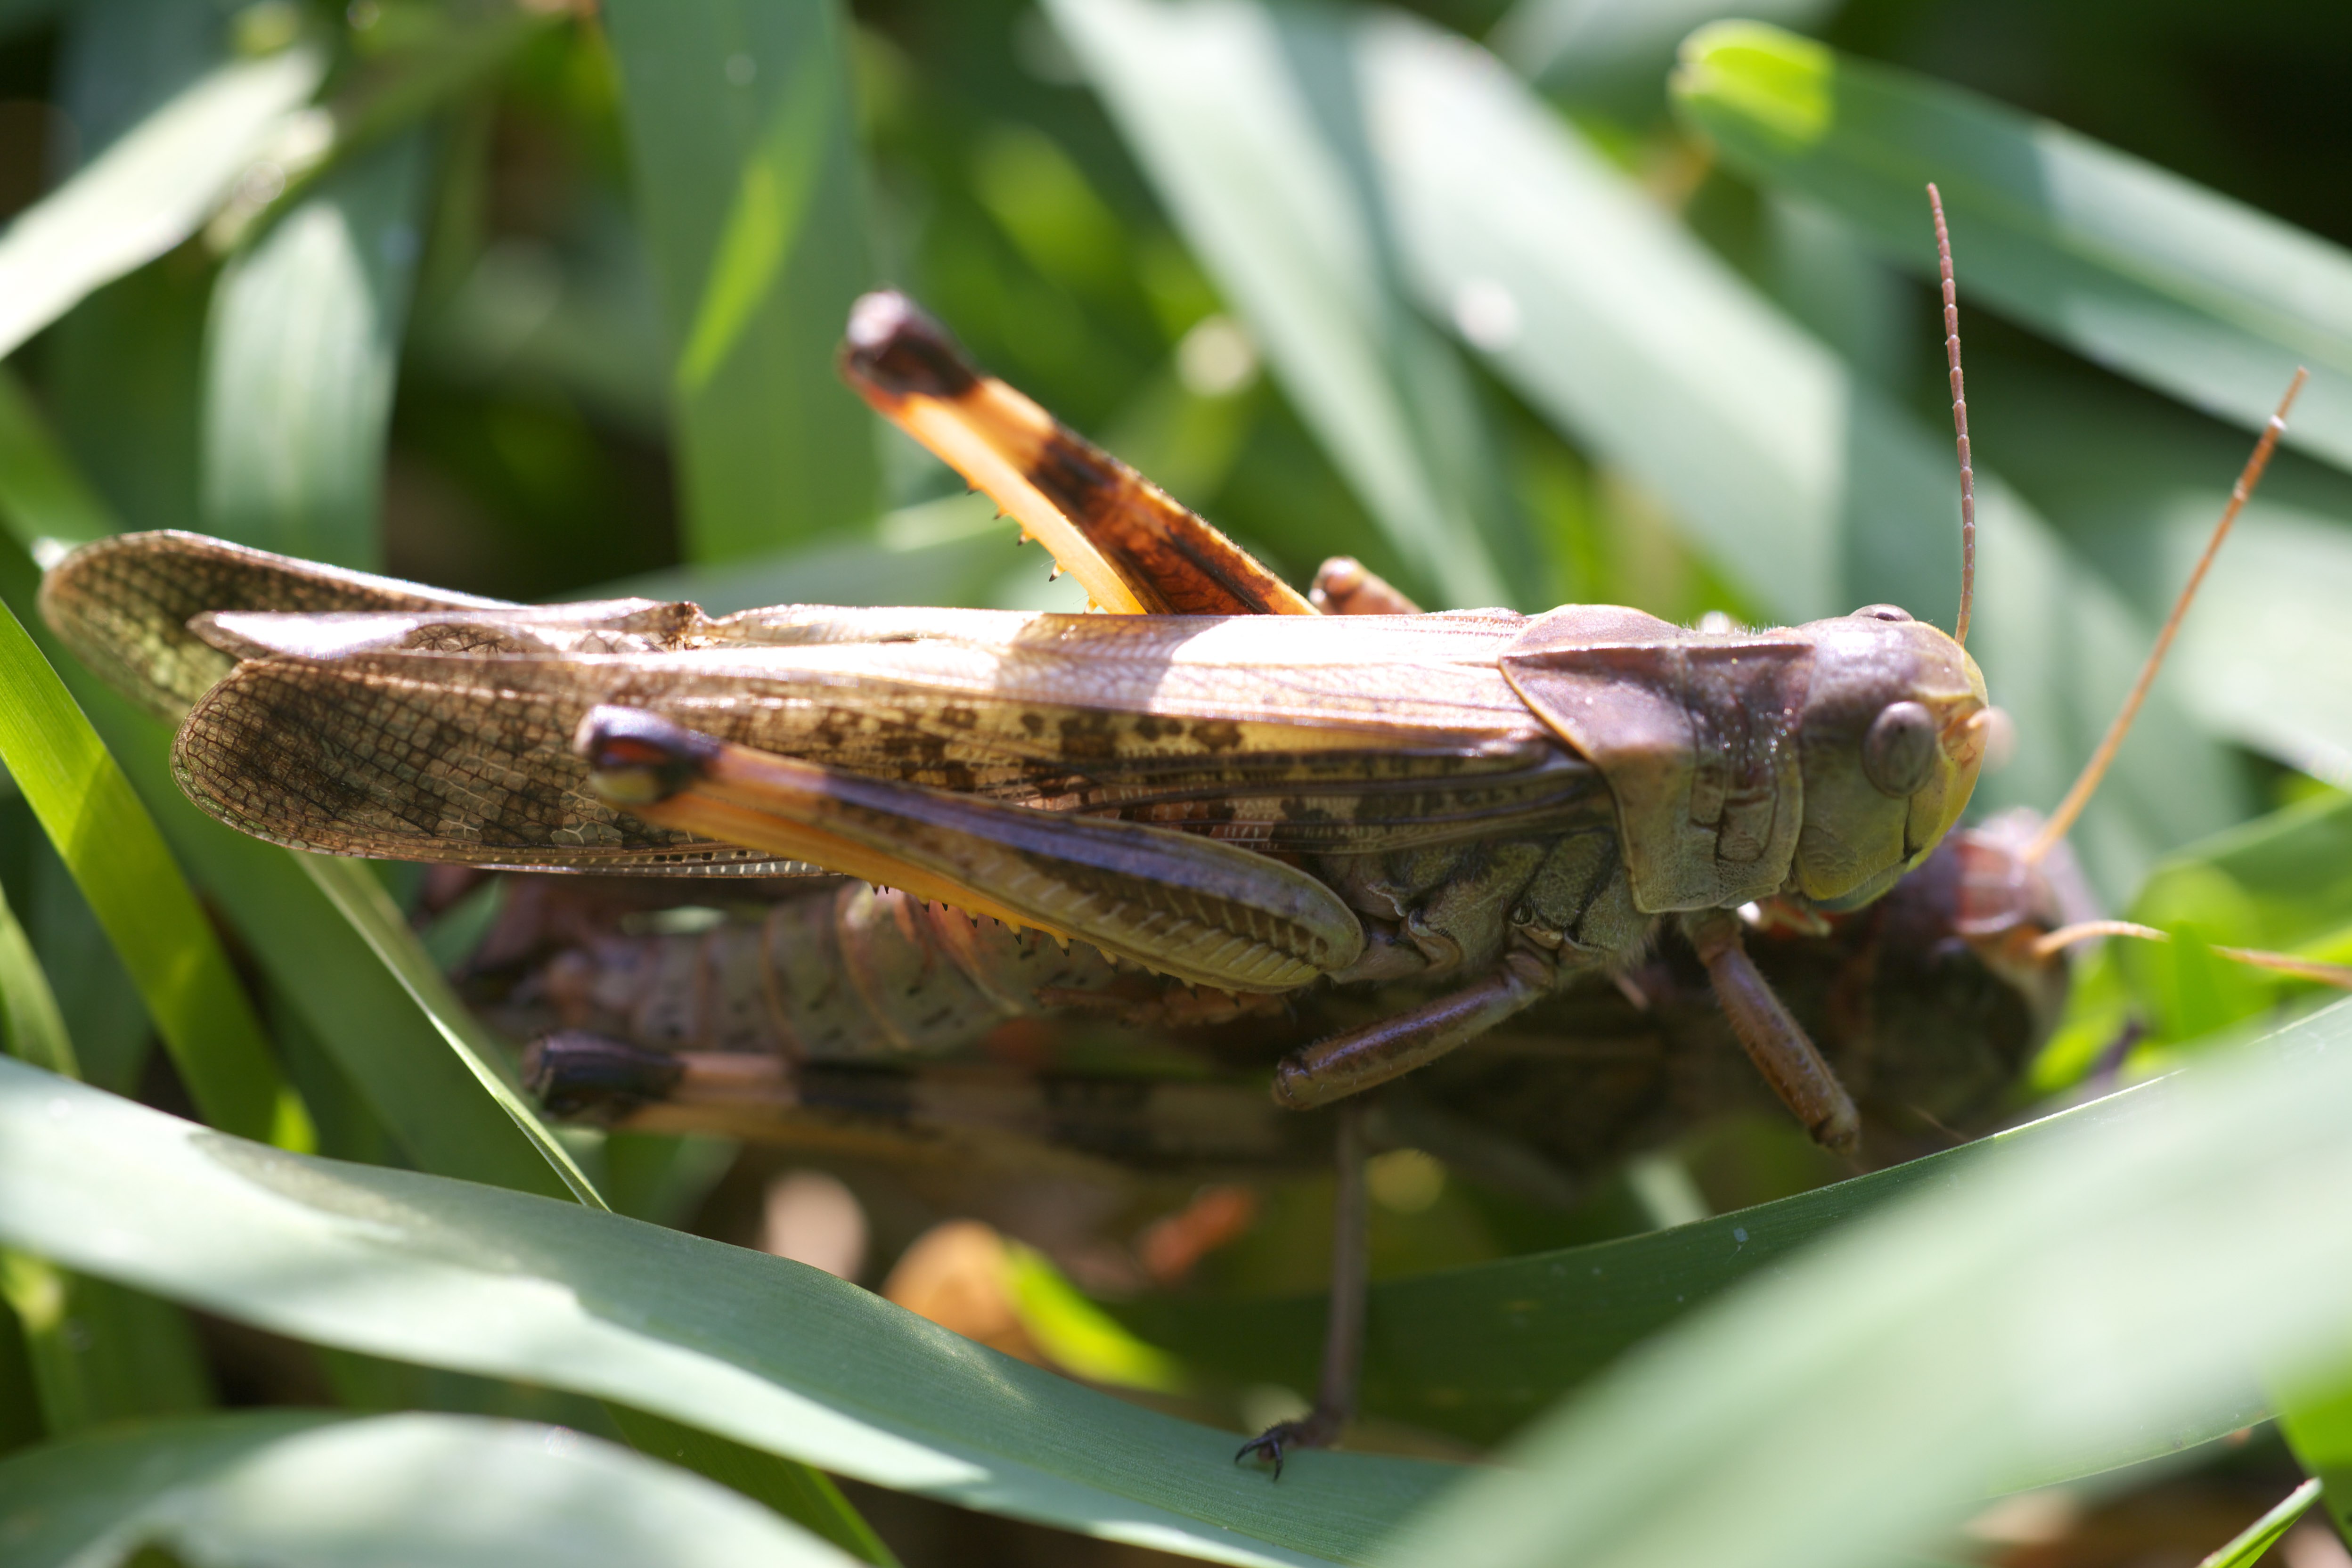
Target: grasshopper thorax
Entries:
(1822, 759)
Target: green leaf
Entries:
(119, 860)
(364, 905)
(146, 193)
(378, 1033)
(32, 1027)
(801, 1494)
(1577, 49)
(41, 496)
(385, 1037)
(315, 1489)
(99, 1006)
(2098, 1287)
(1476, 1353)
(740, 128)
(1253, 129)
(2245, 1549)
(753, 1348)
(101, 1352)
(2131, 266)
(300, 360)
(95, 1351)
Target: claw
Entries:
(1269, 1445)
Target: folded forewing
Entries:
(122, 605)
(1335, 741)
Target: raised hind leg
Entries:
(1135, 548)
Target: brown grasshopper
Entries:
(1214, 783)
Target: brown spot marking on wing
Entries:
(1218, 735)
(1089, 737)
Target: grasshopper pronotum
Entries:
(1216, 782)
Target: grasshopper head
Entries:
(1891, 738)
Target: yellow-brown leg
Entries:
(1134, 547)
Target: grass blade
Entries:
(804, 1495)
(147, 192)
(753, 1348)
(1252, 128)
(2131, 266)
(95, 1351)
(362, 902)
(740, 128)
(250, 1488)
(300, 360)
(32, 1025)
(383, 1036)
(101, 1352)
(395, 1054)
(2245, 1549)
(119, 860)
(2099, 1292)
(99, 1006)
(41, 496)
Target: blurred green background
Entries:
(1515, 302)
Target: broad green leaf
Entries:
(2245, 1549)
(1253, 131)
(2102, 1292)
(147, 191)
(119, 860)
(747, 181)
(2134, 267)
(368, 909)
(753, 1348)
(1476, 1353)
(799, 1492)
(301, 355)
(379, 1492)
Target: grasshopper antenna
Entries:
(2336, 974)
(2061, 820)
(1960, 419)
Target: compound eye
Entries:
(1882, 612)
(1899, 752)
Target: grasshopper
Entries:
(1216, 783)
